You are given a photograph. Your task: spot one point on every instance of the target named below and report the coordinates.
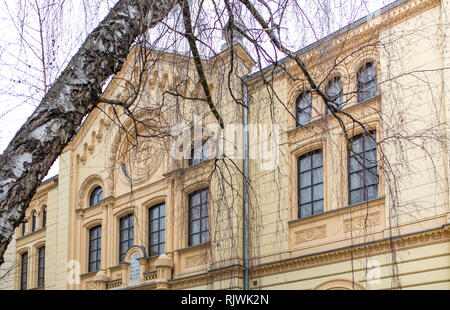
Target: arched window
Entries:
(126, 237)
(334, 90)
(366, 82)
(156, 229)
(310, 184)
(33, 221)
(96, 196)
(303, 109)
(44, 217)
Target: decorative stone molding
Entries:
(87, 186)
(310, 234)
(379, 247)
(340, 284)
(114, 284)
(362, 222)
(195, 260)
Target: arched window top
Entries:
(366, 81)
(303, 108)
(96, 196)
(334, 90)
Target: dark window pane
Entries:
(356, 196)
(354, 164)
(317, 175)
(372, 192)
(317, 159)
(318, 192)
(356, 181)
(318, 207)
(305, 179)
(305, 163)
(195, 239)
(195, 226)
(205, 237)
(195, 213)
(305, 195)
(305, 210)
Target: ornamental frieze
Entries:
(310, 234)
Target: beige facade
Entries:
(397, 238)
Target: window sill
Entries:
(335, 212)
(193, 247)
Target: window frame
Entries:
(97, 250)
(41, 267)
(203, 204)
(299, 111)
(364, 89)
(129, 241)
(311, 169)
(363, 168)
(160, 244)
(96, 196)
(23, 271)
(44, 217)
(33, 221)
(339, 96)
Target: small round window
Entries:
(96, 196)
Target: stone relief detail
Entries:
(310, 234)
(90, 285)
(362, 222)
(195, 260)
(140, 158)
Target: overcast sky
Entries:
(21, 84)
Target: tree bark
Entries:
(35, 147)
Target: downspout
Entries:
(245, 211)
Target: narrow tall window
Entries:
(41, 266)
(126, 235)
(366, 82)
(197, 155)
(156, 228)
(334, 91)
(95, 248)
(23, 229)
(310, 184)
(33, 222)
(198, 217)
(96, 196)
(303, 109)
(23, 271)
(44, 217)
(362, 169)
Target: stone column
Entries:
(125, 273)
(164, 266)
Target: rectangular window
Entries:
(310, 184)
(95, 248)
(126, 235)
(362, 169)
(156, 229)
(198, 217)
(41, 266)
(23, 271)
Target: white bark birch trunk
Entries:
(47, 131)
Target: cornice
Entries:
(365, 33)
(379, 247)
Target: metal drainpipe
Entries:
(245, 211)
